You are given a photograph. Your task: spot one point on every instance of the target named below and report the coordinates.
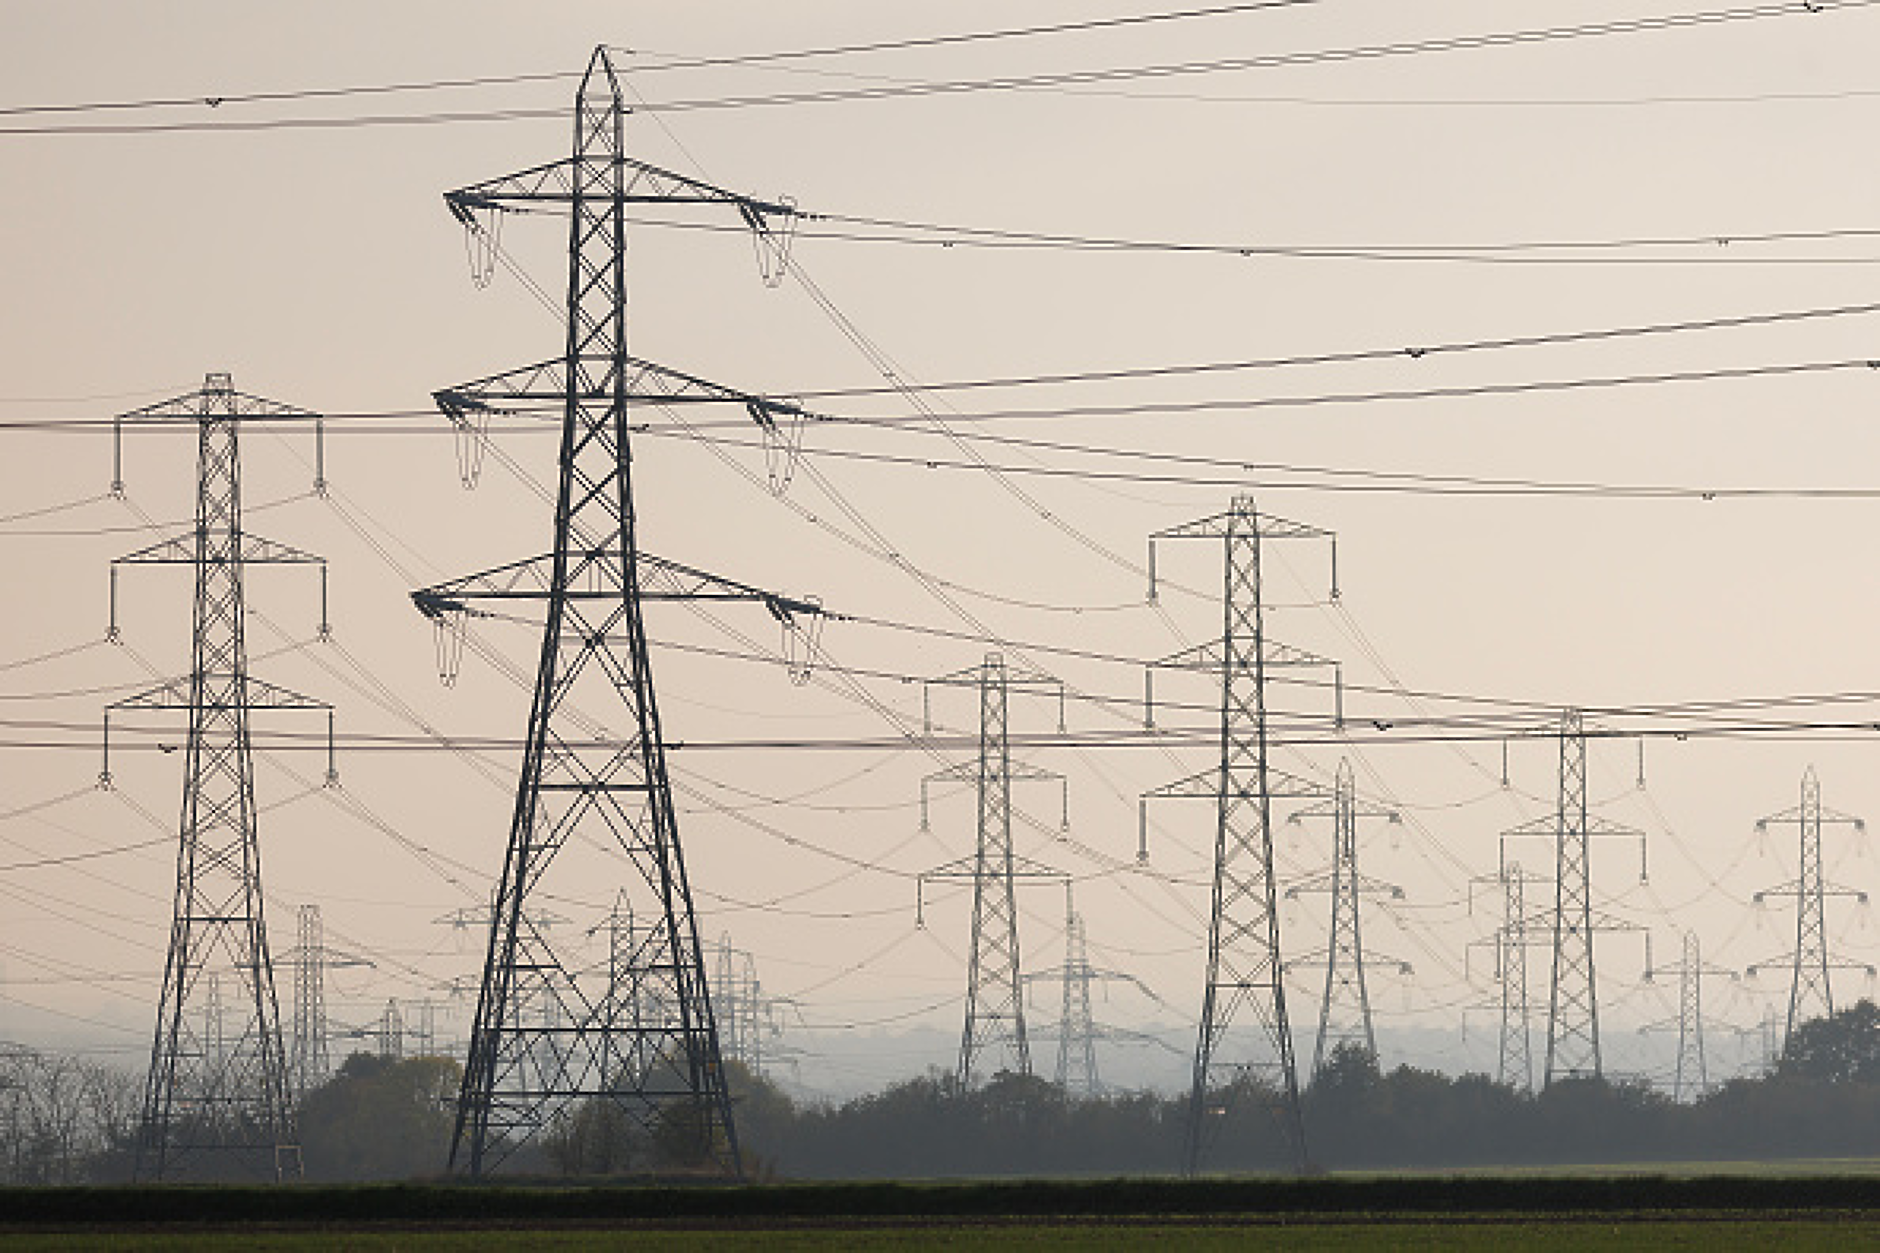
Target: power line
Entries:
(216, 101)
(1308, 400)
(970, 37)
(881, 87)
(350, 122)
(1413, 351)
(219, 100)
(1235, 474)
(1305, 733)
(876, 230)
(893, 89)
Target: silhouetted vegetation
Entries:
(1823, 1100)
(378, 1118)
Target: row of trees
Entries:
(1821, 1100)
(63, 1119)
(66, 1120)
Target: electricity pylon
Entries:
(1573, 998)
(1692, 1077)
(1345, 1008)
(1809, 992)
(1077, 1029)
(748, 1017)
(1514, 1062)
(995, 1000)
(227, 1113)
(392, 1032)
(309, 1062)
(1244, 975)
(593, 807)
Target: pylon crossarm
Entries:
(1016, 771)
(1795, 813)
(1333, 880)
(1783, 961)
(176, 694)
(181, 550)
(966, 870)
(1016, 675)
(1329, 809)
(555, 183)
(1268, 526)
(1792, 887)
(1211, 656)
(643, 382)
(1206, 785)
(532, 578)
(241, 405)
(1548, 825)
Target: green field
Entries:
(1754, 1209)
(1801, 1234)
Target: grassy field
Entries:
(1714, 1236)
(1706, 1210)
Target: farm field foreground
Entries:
(1527, 1211)
(1334, 1237)
(1315, 1237)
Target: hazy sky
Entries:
(319, 266)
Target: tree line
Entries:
(66, 1120)
(1820, 1100)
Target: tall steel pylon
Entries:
(995, 1000)
(1077, 1029)
(1573, 1049)
(1691, 1079)
(1345, 1008)
(309, 1064)
(217, 1112)
(1810, 994)
(749, 1016)
(309, 1058)
(1514, 1059)
(1244, 972)
(594, 804)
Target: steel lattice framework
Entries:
(1810, 994)
(1514, 1063)
(1691, 1080)
(549, 1036)
(1077, 1028)
(217, 1098)
(1573, 1001)
(747, 1016)
(995, 1000)
(309, 1060)
(310, 1063)
(1345, 1008)
(1244, 973)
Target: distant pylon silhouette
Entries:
(217, 1108)
(1573, 1044)
(1691, 1079)
(1345, 1007)
(1810, 994)
(309, 1061)
(995, 998)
